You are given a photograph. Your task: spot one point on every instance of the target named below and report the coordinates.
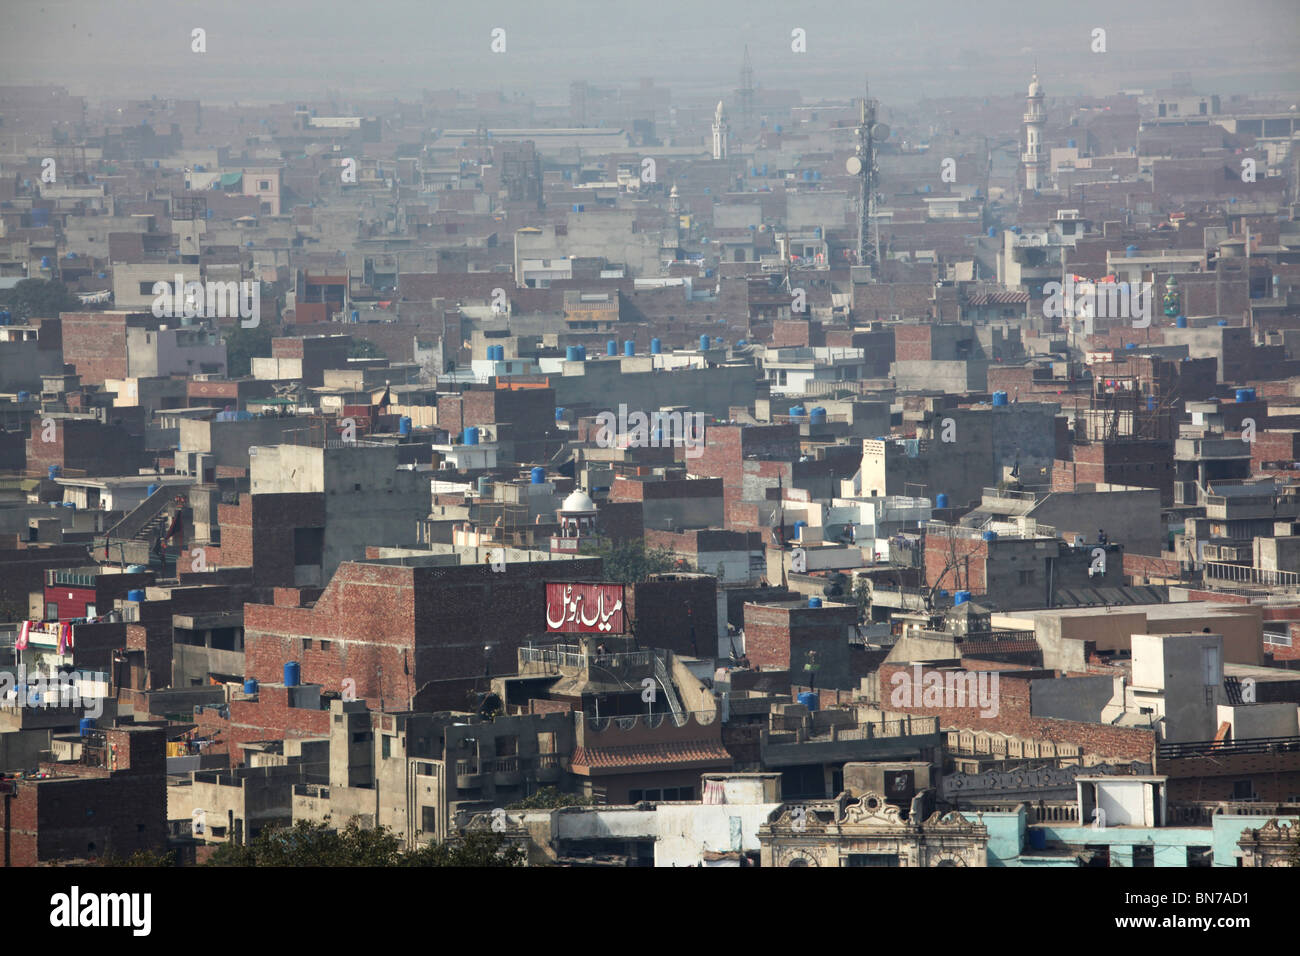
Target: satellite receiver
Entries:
(853, 165)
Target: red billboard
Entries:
(584, 608)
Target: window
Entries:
(360, 738)
(1026, 577)
(1243, 790)
(1144, 856)
(386, 747)
(873, 859)
(429, 819)
(1201, 856)
(264, 185)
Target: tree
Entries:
(549, 798)
(242, 345)
(364, 349)
(311, 843)
(632, 561)
(40, 298)
(140, 858)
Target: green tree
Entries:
(309, 843)
(243, 345)
(364, 348)
(549, 798)
(632, 561)
(141, 858)
(39, 298)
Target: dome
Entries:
(578, 502)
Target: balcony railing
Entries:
(1241, 574)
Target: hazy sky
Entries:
(271, 50)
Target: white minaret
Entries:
(1035, 119)
(719, 133)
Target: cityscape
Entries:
(805, 454)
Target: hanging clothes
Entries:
(24, 634)
(65, 637)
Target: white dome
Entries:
(578, 501)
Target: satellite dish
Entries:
(853, 165)
(880, 131)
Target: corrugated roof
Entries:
(663, 756)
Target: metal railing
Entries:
(1218, 748)
(674, 705)
(1241, 574)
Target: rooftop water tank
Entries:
(572, 354)
(704, 343)
(990, 536)
(538, 476)
(817, 416)
(86, 724)
(250, 686)
(135, 595)
(1130, 345)
(1037, 838)
(1180, 322)
(23, 396)
(1245, 394)
(1130, 252)
(292, 673)
(992, 232)
(1222, 322)
(999, 398)
(484, 486)
(629, 348)
(656, 347)
(582, 353)
(941, 501)
(611, 347)
(797, 411)
(740, 344)
(961, 597)
(814, 602)
(404, 425)
(1151, 403)
(809, 700)
(559, 414)
(54, 471)
(470, 436)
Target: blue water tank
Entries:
(250, 686)
(1130, 345)
(537, 476)
(992, 232)
(961, 597)
(656, 347)
(990, 536)
(86, 724)
(798, 411)
(629, 348)
(470, 435)
(814, 602)
(611, 347)
(1037, 838)
(404, 425)
(1151, 403)
(135, 595)
(559, 414)
(71, 255)
(999, 398)
(798, 529)
(572, 354)
(941, 501)
(1070, 143)
(1130, 251)
(148, 492)
(740, 344)
(1222, 322)
(817, 416)
(807, 175)
(292, 674)
(1245, 394)
(54, 471)
(809, 700)
(45, 262)
(23, 396)
(704, 343)
(1180, 322)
